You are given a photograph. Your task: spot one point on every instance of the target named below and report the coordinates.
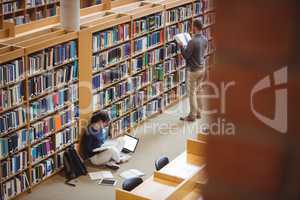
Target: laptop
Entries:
(130, 144)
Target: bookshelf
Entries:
(32, 150)
(21, 12)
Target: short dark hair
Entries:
(198, 24)
(100, 116)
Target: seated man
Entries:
(97, 137)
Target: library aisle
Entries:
(163, 132)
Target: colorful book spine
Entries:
(51, 124)
(168, 98)
(120, 126)
(12, 72)
(111, 56)
(42, 170)
(137, 116)
(110, 76)
(138, 98)
(110, 37)
(12, 143)
(66, 137)
(142, 79)
(178, 14)
(51, 103)
(153, 107)
(52, 57)
(148, 23)
(171, 49)
(152, 39)
(12, 120)
(198, 7)
(12, 96)
(169, 82)
(14, 164)
(119, 108)
(15, 186)
(184, 27)
(42, 150)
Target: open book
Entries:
(183, 38)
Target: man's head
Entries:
(100, 119)
(197, 26)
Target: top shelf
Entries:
(10, 52)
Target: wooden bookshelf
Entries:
(63, 113)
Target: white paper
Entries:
(183, 38)
(101, 175)
(131, 173)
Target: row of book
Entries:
(148, 23)
(110, 37)
(52, 102)
(208, 32)
(171, 31)
(51, 57)
(149, 58)
(14, 164)
(208, 5)
(12, 96)
(12, 120)
(11, 72)
(15, 186)
(12, 143)
(208, 19)
(110, 75)
(152, 39)
(51, 124)
(46, 82)
(35, 3)
(10, 7)
(198, 7)
(178, 14)
(111, 56)
(42, 150)
(66, 137)
(42, 170)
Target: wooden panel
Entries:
(124, 195)
(196, 147)
(11, 55)
(171, 4)
(202, 137)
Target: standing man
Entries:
(194, 56)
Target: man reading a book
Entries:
(193, 53)
(98, 148)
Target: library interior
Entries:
(149, 99)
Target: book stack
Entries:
(178, 14)
(148, 23)
(42, 170)
(12, 120)
(66, 137)
(111, 75)
(14, 164)
(11, 72)
(12, 96)
(15, 186)
(51, 57)
(42, 150)
(111, 56)
(110, 37)
(12, 143)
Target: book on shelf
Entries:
(169, 82)
(14, 164)
(13, 142)
(198, 7)
(11, 72)
(168, 98)
(118, 127)
(119, 108)
(12, 120)
(183, 38)
(59, 160)
(137, 99)
(51, 57)
(170, 65)
(111, 56)
(12, 96)
(182, 75)
(66, 137)
(148, 23)
(47, 126)
(15, 186)
(208, 33)
(153, 107)
(171, 50)
(53, 79)
(42, 170)
(137, 116)
(183, 27)
(208, 5)
(41, 150)
(110, 37)
(178, 14)
(145, 42)
(111, 75)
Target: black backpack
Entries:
(73, 165)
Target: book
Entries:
(12, 120)
(12, 96)
(12, 72)
(145, 42)
(198, 7)
(183, 38)
(171, 50)
(13, 142)
(171, 31)
(153, 107)
(101, 175)
(147, 23)
(110, 37)
(14, 164)
(41, 150)
(15, 186)
(178, 14)
(66, 137)
(131, 173)
(42, 170)
(120, 126)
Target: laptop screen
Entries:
(130, 143)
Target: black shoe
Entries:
(188, 118)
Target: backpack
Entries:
(73, 165)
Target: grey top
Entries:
(194, 52)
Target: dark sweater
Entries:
(94, 139)
(194, 52)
